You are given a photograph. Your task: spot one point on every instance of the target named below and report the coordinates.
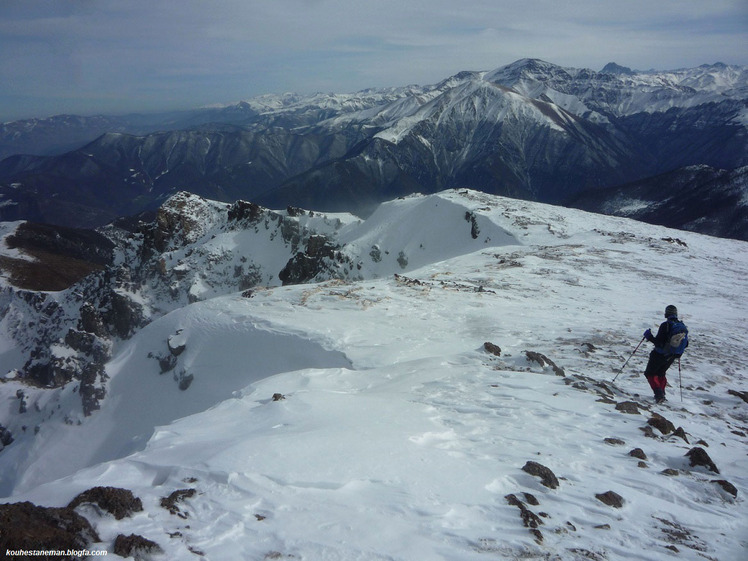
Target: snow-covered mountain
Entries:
(360, 414)
(697, 198)
(530, 129)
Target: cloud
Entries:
(146, 54)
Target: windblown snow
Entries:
(393, 434)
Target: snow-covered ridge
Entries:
(389, 413)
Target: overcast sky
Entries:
(116, 56)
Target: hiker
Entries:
(670, 342)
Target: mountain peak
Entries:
(613, 68)
(524, 69)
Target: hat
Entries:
(671, 311)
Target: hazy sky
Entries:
(115, 56)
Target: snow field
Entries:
(399, 436)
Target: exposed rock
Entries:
(648, 431)
(6, 438)
(581, 553)
(26, 526)
(91, 321)
(170, 503)
(531, 499)
(90, 393)
(544, 361)
(614, 441)
(610, 498)
(474, 230)
(243, 210)
(661, 424)
(679, 432)
(278, 397)
(178, 221)
(135, 546)
(670, 472)
(491, 348)
(741, 395)
(125, 315)
(698, 457)
(727, 486)
(547, 477)
(319, 256)
(118, 502)
(630, 407)
(638, 453)
(529, 518)
(676, 533)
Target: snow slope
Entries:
(400, 437)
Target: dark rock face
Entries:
(610, 498)
(26, 526)
(529, 518)
(661, 424)
(727, 486)
(698, 457)
(6, 438)
(543, 361)
(320, 256)
(547, 477)
(171, 503)
(118, 502)
(630, 407)
(638, 453)
(135, 546)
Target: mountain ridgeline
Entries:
(530, 130)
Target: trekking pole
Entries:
(629, 358)
(680, 381)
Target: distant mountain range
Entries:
(529, 130)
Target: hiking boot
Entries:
(660, 399)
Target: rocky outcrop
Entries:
(26, 526)
(135, 546)
(321, 256)
(698, 457)
(120, 503)
(544, 361)
(172, 502)
(529, 518)
(547, 477)
(610, 498)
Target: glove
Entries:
(648, 334)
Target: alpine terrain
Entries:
(530, 130)
(434, 381)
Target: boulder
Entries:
(630, 407)
(135, 546)
(26, 526)
(661, 424)
(120, 503)
(610, 498)
(547, 477)
(698, 457)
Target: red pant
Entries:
(657, 382)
